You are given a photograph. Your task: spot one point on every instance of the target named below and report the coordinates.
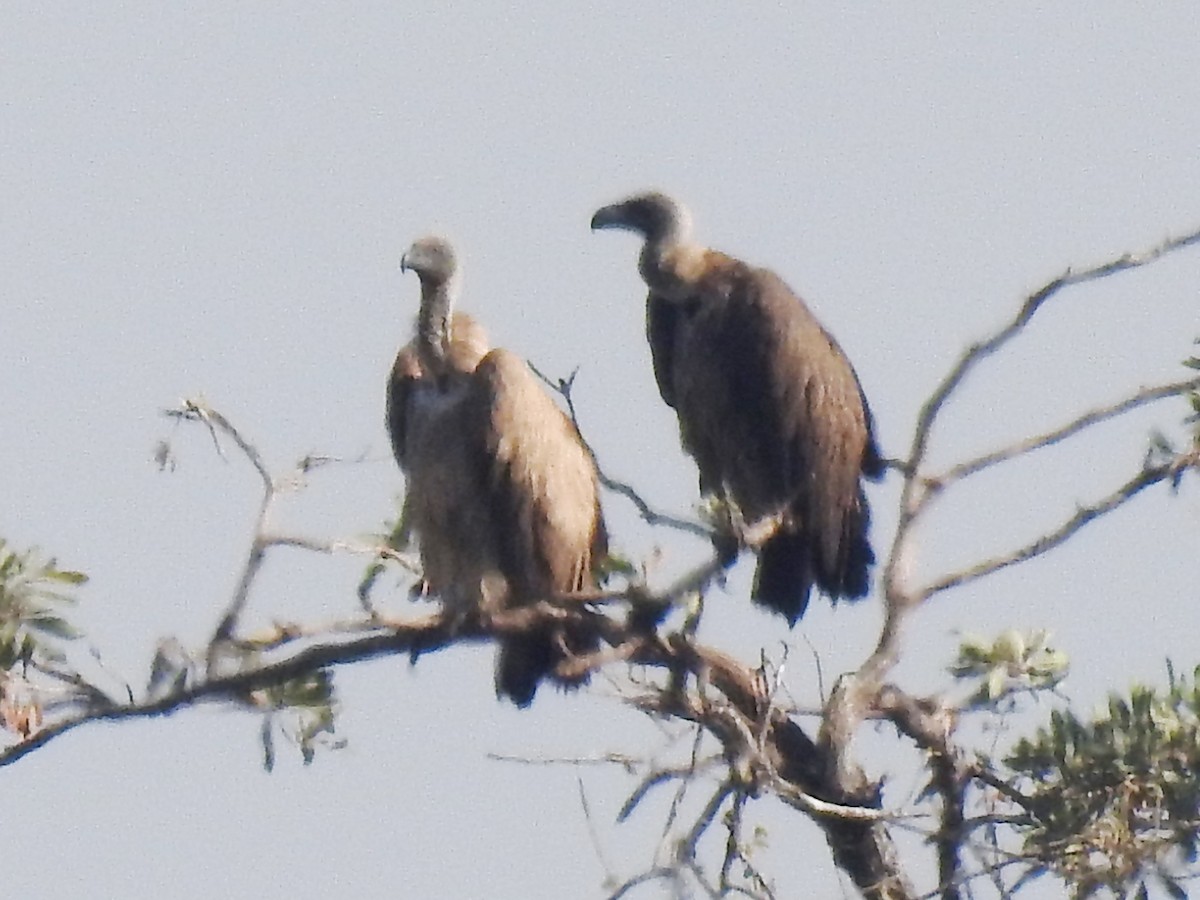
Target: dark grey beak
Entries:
(610, 217)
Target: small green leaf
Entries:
(65, 576)
(1009, 647)
(265, 733)
(55, 626)
(997, 682)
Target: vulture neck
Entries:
(433, 325)
(671, 264)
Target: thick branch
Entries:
(850, 816)
(423, 635)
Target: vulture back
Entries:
(504, 499)
(773, 413)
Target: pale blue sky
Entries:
(214, 198)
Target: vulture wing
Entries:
(663, 321)
(541, 487)
(773, 411)
(406, 373)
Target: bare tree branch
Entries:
(658, 873)
(593, 834)
(424, 634)
(1075, 426)
(563, 387)
(912, 492)
(763, 748)
(1149, 475)
(686, 851)
(196, 409)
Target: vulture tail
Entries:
(791, 563)
(525, 660)
(850, 578)
(784, 577)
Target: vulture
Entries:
(501, 491)
(768, 405)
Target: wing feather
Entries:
(776, 414)
(663, 320)
(542, 479)
(542, 489)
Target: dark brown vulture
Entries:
(501, 492)
(768, 405)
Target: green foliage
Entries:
(1193, 362)
(1014, 662)
(1162, 451)
(1116, 800)
(35, 595)
(398, 537)
(1193, 399)
(613, 564)
(302, 710)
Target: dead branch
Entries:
(1150, 475)
(910, 501)
(563, 387)
(1070, 429)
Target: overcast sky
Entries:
(213, 198)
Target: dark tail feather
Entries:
(784, 577)
(851, 579)
(792, 562)
(524, 660)
(854, 581)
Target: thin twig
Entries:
(684, 783)
(1149, 476)
(910, 500)
(686, 850)
(662, 776)
(593, 833)
(1054, 436)
(563, 386)
(626, 762)
(656, 874)
(196, 409)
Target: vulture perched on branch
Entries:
(501, 491)
(768, 405)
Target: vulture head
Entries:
(432, 258)
(670, 262)
(653, 215)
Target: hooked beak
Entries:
(612, 216)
